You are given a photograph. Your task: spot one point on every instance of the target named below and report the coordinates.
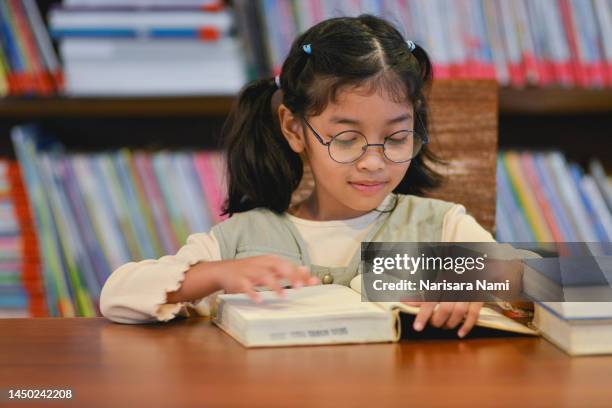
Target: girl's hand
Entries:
(242, 275)
(447, 315)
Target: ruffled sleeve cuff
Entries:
(137, 291)
(173, 279)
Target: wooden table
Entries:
(189, 362)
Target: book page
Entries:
(488, 317)
(311, 301)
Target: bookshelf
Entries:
(67, 107)
(512, 101)
(554, 101)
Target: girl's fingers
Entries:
(299, 277)
(292, 273)
(457, 315)
(423, 315)
(442, 313)
(271, 281)
(247, 288)
(281, 268)
(313, 280)
(470, 320)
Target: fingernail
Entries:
(418, 326)
(461, 333)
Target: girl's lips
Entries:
(368, 188)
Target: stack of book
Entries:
(518, 42)
(28, 64)
(579, 328)
(147, 48)
(95, 212)
(542, 197)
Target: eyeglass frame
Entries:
(320, 139)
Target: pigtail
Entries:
(425, 66)
(261, 167)
(421, 177)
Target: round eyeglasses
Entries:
(350, 145)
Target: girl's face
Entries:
(350, 190)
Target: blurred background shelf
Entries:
(512, 101)
(67, 107)
(554, 101)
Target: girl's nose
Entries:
(373, 159)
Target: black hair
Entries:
(263, 170)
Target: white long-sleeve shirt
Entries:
(136, 291)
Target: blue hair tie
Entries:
(307, 49)
(411, 45)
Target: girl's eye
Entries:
(398, 140)
(348, 137)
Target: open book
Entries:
(330, 314)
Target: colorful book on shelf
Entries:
(36, 69)
(28, 57)
(209, 5)
(99, 209)
(537, 190)
(88, 207)
(127, 157)
(88, 234)
(210, 181)
(518, 42)
(521, 229)
(198, 210)
(164, 229)
(31, 270)
(58, 296)
(194, 23)
(570, 196)
(599, 175)
(524, 196)
(542, 187)
(553, 198)
(11, 50)
(137, 211)
(79, 275)
(593, 220)
(601, 9)
(52, 67)
(151, 67)
(14, 296)
(161, 169)
(601, 213)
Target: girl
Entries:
(349, 104)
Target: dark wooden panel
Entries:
(463, 132)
